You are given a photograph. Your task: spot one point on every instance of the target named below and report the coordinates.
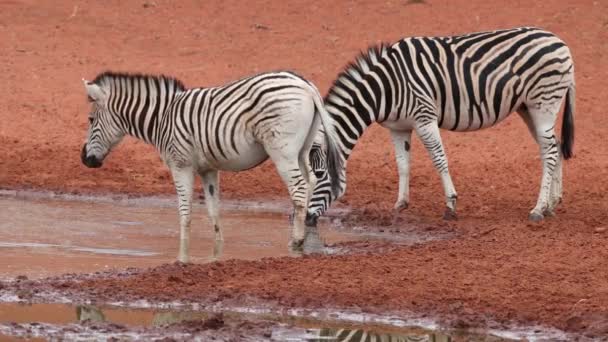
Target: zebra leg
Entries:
(549, 155)
(308, 173)
(311, 182)
(555, 191)
(556, 186)
(431, 139)
(291, 174)
(542, 117)
(211, 187)
(184, 182)
(402, 141)
(306, 167)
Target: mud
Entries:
(280, 284)
(498, 267)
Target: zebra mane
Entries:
(112, 75)
(355, 71)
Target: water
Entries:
(75, 321)
(42, 237)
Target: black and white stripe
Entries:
(364, 335)
(204, 130)
(459, 83)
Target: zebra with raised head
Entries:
(204, 130)
(460, 83)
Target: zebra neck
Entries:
(365, 92)
(349, 127)
(142, 112)
(352, 116)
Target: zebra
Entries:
(460, 83)
(364, 335)
(204, 130)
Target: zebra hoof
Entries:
(450, 215)
(296, 245)
(535, 217)
(549, 213)
(401, 205)
(184, 259)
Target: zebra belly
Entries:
(248, 157)
(404, 124)
(468, 122)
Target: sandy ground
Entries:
(500, 267)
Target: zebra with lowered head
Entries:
(461, 83)
(204, 130)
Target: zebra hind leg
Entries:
(184, 182)
(555, 192)
(211, 188)
(431, 139)
(312, 181)
(402, 141)
(297, 185)
(555, 195)
(542, 117)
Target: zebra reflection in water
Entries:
(361, 335)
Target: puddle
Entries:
(41, 236)
(44, 236)
(78, 322)
(128, 252)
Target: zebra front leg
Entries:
(211, 187)
(184, 182)
(402, 141)
(431, 139)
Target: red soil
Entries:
(501, 266)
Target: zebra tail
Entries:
(334, 160)
(568, 124)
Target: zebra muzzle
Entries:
(89, 161)
(311, 220)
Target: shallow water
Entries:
(43, 237)
(49, 318)
(43, 234)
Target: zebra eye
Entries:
(91, 121)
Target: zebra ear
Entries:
(94, 91)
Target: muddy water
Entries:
(60, 319)
(43, 237)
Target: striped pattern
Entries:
(204, 130)
(362, 335)
(460, 83)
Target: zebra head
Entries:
(322, 196)
(104, 130)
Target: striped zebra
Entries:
(461, 83)
(203, 130)
(363, 335)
